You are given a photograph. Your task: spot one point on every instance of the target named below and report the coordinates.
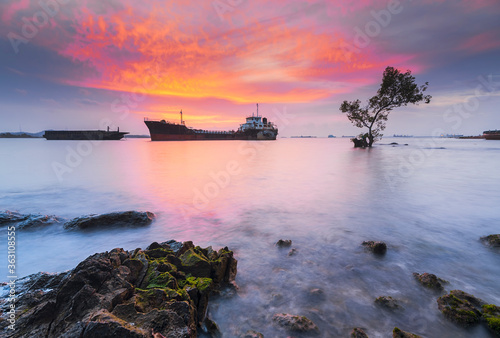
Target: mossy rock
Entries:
(458, 306)
(430, 280)
(492, 240)
(195, 264)
(378, 248)
(162, 280)
(398, 333)
(146, 300)
(158, 253)
(295, 323)
(202, 284)
(388, 302)
(358, 333)
(491, 314)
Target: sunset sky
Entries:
(70, 64)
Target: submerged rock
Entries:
(378, 248)
(295, 323)
(358, 333)
(121, 293)
(388, 302)
(491, 313)
(430, 280)
(125, 218)
(317, 295)
(27, 221)
(461, 307)
(284, 243)
(492, 240)
(398, 333)
(11, 217)
(293, 252)
(252, 334)
(35, 221)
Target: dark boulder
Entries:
(125, 218)
(378, 248)
(251, 334)
(295, 323)
(430, 280)
(121, 294)
(358, 333)
(461, 307)
(284, 243)
(388, 302)
(398, 333)
(491, 240)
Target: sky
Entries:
(88, 64)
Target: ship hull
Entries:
(491, 134)
(81, 135)
(176, 132)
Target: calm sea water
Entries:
(430, 201)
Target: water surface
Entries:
(430, 201)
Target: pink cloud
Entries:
(481, 42)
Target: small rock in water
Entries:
(430, 280)
(126, 218)
(398, 333)
(293, 252)
(387, 302)
(492, 240)
(358, 333)
(295, 323)
(284, 243)
(317, 294)
(252, 334)
(460, 307)
(378, 248)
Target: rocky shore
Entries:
(162, 291)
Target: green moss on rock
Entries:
(162, 280)
(457, 306)
(491, 314)
(195, 264)
(398, 333)
(202, 284)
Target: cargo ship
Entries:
(101, 135)
(255, 128)
(491, 134)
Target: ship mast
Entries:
(257, 110)
(182, 122)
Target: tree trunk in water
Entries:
(370, 138)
